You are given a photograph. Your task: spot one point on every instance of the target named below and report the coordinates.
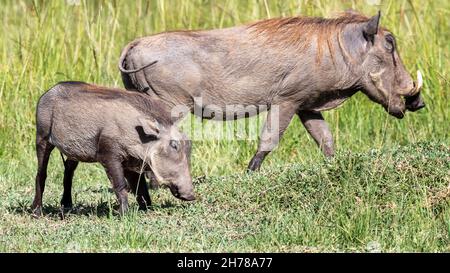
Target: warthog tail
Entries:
(122, 59)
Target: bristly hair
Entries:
(140, 101)
(299, 31)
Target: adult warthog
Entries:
(301, 65)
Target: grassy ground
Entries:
(387, 189)
(394, 200)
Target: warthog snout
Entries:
(170, 164)
(413, 100)
(414, 103)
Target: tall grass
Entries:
(43, 42)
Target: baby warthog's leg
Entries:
(69, 169)
(278, 119)
(114, 170)
(115, 173)
(43, 151)
(138, 186)
(318, 128)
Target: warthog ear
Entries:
(370, 28)
(147, 128)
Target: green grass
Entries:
(388, 184)
(398, 199)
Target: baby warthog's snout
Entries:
(188, 197)
(183, 194)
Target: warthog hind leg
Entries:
(43, 151)
(278, 119)
(318, 128)
(69, 169)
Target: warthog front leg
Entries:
(139, 187)
(278, 119)
(114, 170)
(318, 128)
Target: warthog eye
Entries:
(390, 43)
(174, 144)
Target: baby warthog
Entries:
(124, 131)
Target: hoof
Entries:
(254, 166)
(256, 161)
(143, 208)
(144, 205)
(66, 207)
(37, 212)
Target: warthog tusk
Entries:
(418, 84)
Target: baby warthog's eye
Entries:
(175, 144)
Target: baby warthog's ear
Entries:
(148, 129)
